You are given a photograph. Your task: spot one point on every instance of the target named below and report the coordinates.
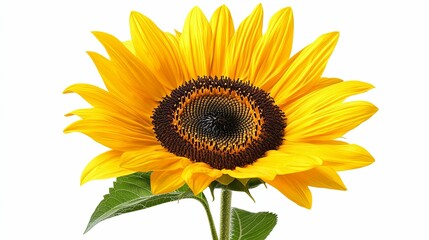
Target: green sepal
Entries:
(239, 185)
(225, 179)
(132, 193)
(251, 226)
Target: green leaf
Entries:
(251, 226)
(131, 193)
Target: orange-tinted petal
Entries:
(166, 181)
(199, 175)
(292, 188)
(322, 177)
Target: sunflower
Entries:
(215, 104)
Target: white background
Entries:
(43, 46)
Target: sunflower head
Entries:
(217, 106)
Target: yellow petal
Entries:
(166, 181)
(106, 165)
(156, 50)
(119, 85)
(331, 122)
(178, 34)
(130, 122)
(153, 158)
(275, 163)
(195, 44)
(109, 74)
(336, 156)
(322, 177)
(324, 82)
(324, 98)
(199, 175)
(223, 29)
(95, 96)
(241, 47)
(292, 188)
(133, 73)
(114, 135)
(102, 99)
(305, 70)
(285, 162)
(272, 51)
(130, 46)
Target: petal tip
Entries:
(223, 9)
(135, 17)
(70, 128)
(83, 180)
(96, 33)
(67, 90)
(134, 13)
(287, 11)
(258, 9)
(335, 35)
(306, 202)
(196, 9)
(372, 109)
(101, 35)
(331, 36)
(369, 85)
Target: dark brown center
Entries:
(223, 122)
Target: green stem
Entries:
(225, 214)
(210, 218)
